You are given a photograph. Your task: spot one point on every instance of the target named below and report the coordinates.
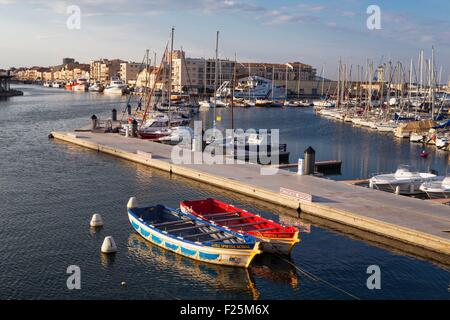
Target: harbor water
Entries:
(49, 190)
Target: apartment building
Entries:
(104, 70)
(129, 72)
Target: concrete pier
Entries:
(421, 226)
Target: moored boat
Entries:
(191, 236)
(437, 189)
(406, 180)
(275, 237)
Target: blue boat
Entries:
(192, 237)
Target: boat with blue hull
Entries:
(192, 237)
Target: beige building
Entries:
(129, 72)
(104, 70)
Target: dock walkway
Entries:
(417, 223)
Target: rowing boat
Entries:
(276, 238)
(191, 236)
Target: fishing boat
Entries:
(191, 236)
(437, 189)
(275, 237)
(406, 180)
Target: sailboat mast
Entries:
(170, 67)
(432, 82)
(216, 77)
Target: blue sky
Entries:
(314, 32)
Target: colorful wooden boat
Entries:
(276, 238)
(191, 236)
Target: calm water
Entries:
(49, 190)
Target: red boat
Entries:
(275, 237)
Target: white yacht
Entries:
(116, 87)
(416, 137)
(406, 180)
(437, 189)
(178, 135)
(255, 87)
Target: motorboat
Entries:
(116, 87)
(58, 84)
(255, 87)
(416, 137)
(437, 189)
(442, 142)
(178, 135)
(47, 84)
(254, 147)
(96, 87)
(406, 180)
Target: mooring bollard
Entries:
(109, 245)
(129, 109)
(193, 144)
(397, 190)
(134, 129)
(114, 115)
(300, 166)
(310, 161)
(127, 131)
(94, 121)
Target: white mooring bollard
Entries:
(397, 190)
(96, 220)
(132, 203)
(109, 245)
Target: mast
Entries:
(286, 89)
(273, 79)
(170, 67)
(216, 77)
(232, 92)
(298, 82)
(338, 102)
(432, 78)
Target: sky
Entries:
(35, 32)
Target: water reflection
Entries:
(221, 277)
(275, 268)
(107, 260)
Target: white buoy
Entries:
(109, 245)
(132, 203)
(96, 220)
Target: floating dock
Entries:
(418, 227)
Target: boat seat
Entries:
(247, 224)
(202, 234)
(230, 219)
(189, 228)
(169, 223)
(224, 239)
(219, 214)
